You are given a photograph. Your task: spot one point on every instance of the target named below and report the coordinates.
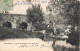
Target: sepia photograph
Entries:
(39, 25)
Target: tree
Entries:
(67, 9)
(62, 10)
(35, 15)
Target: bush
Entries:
(9, 33)
(73, 38)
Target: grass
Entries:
(8, 33)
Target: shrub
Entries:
(73, 38)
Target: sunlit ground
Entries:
(34, 44)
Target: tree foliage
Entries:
(35, 14)
(67, 9)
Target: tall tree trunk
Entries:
(55, 33)
(30, 26)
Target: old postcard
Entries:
(39, 25)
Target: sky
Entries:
(21, 9)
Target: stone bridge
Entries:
(14, 21)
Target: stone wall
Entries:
(14, 19)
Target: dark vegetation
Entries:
(73, 38)
(9, 33)
(35, 15)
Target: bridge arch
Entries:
(7, 24)
(23, 25)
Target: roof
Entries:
(12, 14)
